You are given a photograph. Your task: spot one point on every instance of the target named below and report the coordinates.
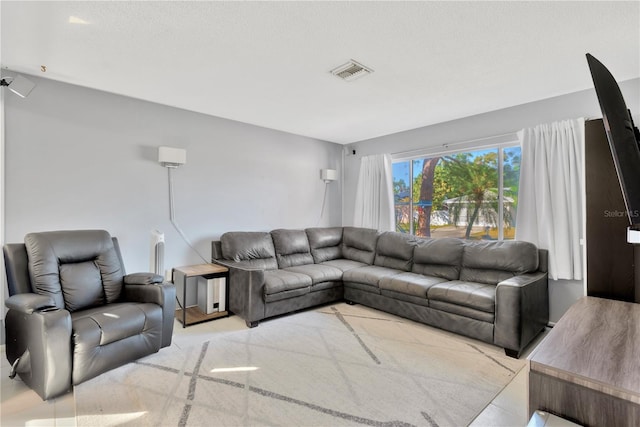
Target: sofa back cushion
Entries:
(359, 244)
(493, 262)
(395, 250)
(292, 248)
(438, 257)
(77, 268)
(250, 249)
(325, 243)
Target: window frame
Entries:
(499, 143)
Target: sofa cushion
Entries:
(325, 243)
(318, 272)
(438, 257)
(251, 249)
(369, 275)
(410, 283)
(281, 284)
(463, 311)
(399, 297)
(493, 262)
(292, 248)
(478, 296)
(395, 250)
(344, 264)
(114, 322)
(359, 244)
(77, 268)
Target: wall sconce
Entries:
(328, 175)
(170, 157)
(19, 85)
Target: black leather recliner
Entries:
(74, 313)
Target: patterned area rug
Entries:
(337, 365)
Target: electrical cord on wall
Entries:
(173, 219)
(324, 200)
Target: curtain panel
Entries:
(550, 199)
(374, 194)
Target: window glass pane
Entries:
(423, 195)
(456, 195)
(510, 185)
(401, 194)
(472, 193)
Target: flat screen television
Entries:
(623, 136)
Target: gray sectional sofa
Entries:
(489, 290)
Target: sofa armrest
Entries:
(39, 346)
(160, 293)
(246, 289)
(29, 303)
(522, 310)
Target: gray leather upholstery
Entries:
(292, 248)
(493, 262)
(369, 275)
(102, 341)
(438, 257)
(75, 314)
(325, 243)
(318, 273)
(249, 249)
(493, 291)
(78, 270)
(469, 294)
(410, 283)
(16, 266)
(344, 264)
(359, 244)
(395, 250)
(276, 281)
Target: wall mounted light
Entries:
(19, 85)
(328, 175)
(170, 157)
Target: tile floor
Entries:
(23, 407)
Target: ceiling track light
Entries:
(19, 85)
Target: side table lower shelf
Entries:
(194, 315)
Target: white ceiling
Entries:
(268, 63)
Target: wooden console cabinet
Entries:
(587, 369)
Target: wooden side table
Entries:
(192, 315)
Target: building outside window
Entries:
(469, 195)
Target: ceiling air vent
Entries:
(351, 71)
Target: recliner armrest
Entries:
(162, 293)
(143, 279)
(40, 350)
(29, 303)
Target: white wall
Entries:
(508, 120)
(79, 158)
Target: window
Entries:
(470, 195)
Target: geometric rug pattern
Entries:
(336, 365)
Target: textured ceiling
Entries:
(268, 63)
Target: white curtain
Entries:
(374, 194)
(551, 194)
